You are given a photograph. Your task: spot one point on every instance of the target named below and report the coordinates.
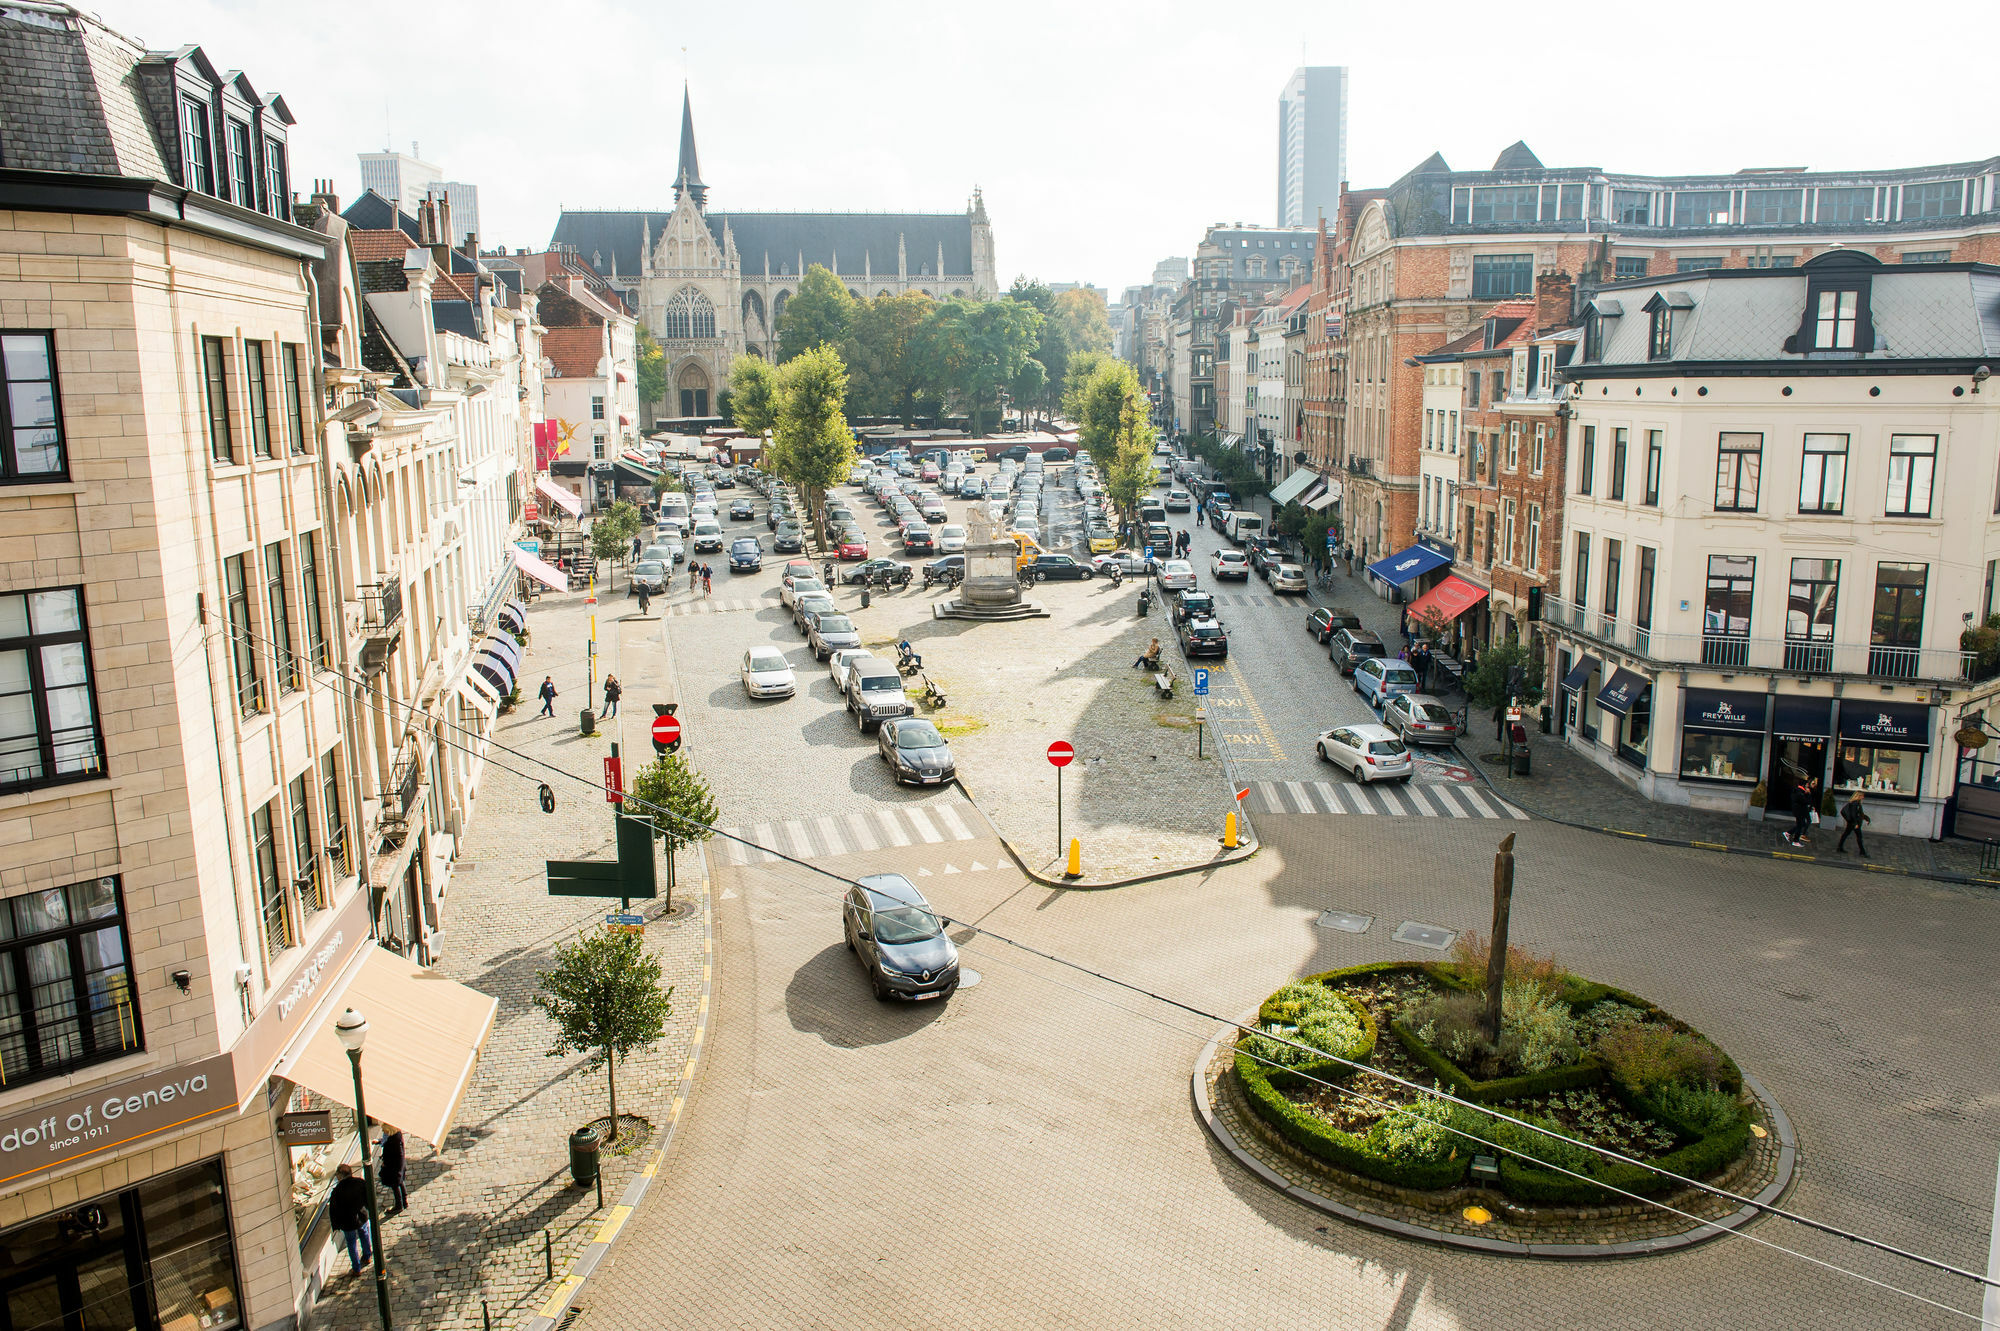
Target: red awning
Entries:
(1448, 600)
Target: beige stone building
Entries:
(179, 828)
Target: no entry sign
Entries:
(1061, 754)
(666, 729)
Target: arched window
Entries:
(956, 292)
(778, 303)
(753, 308)
(690, 315)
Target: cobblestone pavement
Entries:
(480, 1207)
(1028, 1155)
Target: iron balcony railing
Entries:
(381, 607)
(1785, 656)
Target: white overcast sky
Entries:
(1105, 134)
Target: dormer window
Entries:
(1660, 336)
(242, 167)
(197, 161)
(1833, 320)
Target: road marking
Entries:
(923, 873)
(951, 868)
(831, 832)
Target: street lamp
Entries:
(353, 1031)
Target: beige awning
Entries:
(424, 1037)
(560, 497)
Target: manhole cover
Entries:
(1433, 936)
(1347, 921)
(968, 978)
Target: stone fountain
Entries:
(991, 589)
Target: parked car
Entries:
(725, 479)
(899, 574)
(1102, 539)
(1380, 678)
(939, 569)
(837, 664)
(1128, 562)
(707, 535)
(1288, 578)
(1203, 637)
(875, 694)
(767, 674)
(917, 539)
(916, 753)
(1230, 564)
(1420, 719)
(853, 545)
(1349, 647)
(829, 633)
(796, 585)
(809, 607)
(1176, 575)
(1263, 552)
(950, 539)
(789, 539)
(1370, 752)
(1179, 501)
(667, 552)
(898, 939)
(650, 574)
(1159, 535)
(1055, 568)
(1324, 621)
(1192, 604)
(745, 555)
(741, 510)
(798, 568)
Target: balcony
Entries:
(381, 623)
(405, 780)
(1776, 656)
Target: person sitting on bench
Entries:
(1150, 658)
(907, 654)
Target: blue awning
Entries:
(1405, 565)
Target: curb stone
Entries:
(1244, 851)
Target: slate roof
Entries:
(1516, 156)
(71, 99)
(575, 352)
(372, 212)
(615, 237)
(1947, 312)
(457, 316)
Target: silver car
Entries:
(1420, 719)
(1288, 578)
(1370, 752)
(829, 633)
(767, 674)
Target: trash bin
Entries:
(864, 596)
(583, 1157)
(588, 720)
(1521, 763)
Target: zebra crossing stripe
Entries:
(893, 830)
(954, 825)
(862, 832)
(830, 831)
(925, 828)
(1416, 797)
(1477, 801)
(1297, 791)
(1449, 798)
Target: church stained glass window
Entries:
(690, 315)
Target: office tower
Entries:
(1312, 143)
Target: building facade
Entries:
(1781, 513)
(1312, 144)
(404, 179)
(711, 286)
(1233, 267)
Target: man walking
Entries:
(347, 1211)
(548, 695)
(1805, 803)
(613, 691)
(1852, 815)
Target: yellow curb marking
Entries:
(559, 1301)
(1619, 831)
(1785, 855)
(1709, 845)
(613, 1222)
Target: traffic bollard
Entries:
(548, 1256)
(1075, 858)
(1229, 832)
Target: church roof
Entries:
(820, 237)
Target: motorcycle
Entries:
(1117, 574)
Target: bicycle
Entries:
(1325, 580)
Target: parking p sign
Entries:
(1201, 681)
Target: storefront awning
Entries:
(1724, 711)
(558, 496)
(1292, 487)
(1623, 692)
(541, 570)
(478, 692)
(1405, 565)
(496, 670)
(1888, 725)
(424, 1037)
(1325, 499)
(629, 472)
(513, 617)
(1798, 717)
(1448, 600)
(1581, 672)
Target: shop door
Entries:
(1791, 759)
(71, 1273)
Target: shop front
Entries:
(1395, 577)
(1441, 612)
(1628, 698)
(1722, 737)
(1578, 692)
(1882, 749)
(1801, 733)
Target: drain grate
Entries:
(570, 1317)
(1433, 936)
(968, 977)
(1347, 921)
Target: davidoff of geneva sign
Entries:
(114, 1115)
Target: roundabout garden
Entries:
(1378, 1093)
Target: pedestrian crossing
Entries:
(1399, 801)
(712, 605)
(849, 834)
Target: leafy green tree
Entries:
(664, 483)
(678, 800)
(819, 312)
(885, 375)
(611, 535)
(1082, 368)
(652, 366)
(813, 447)
(974, 349)
(1051, 353)
(1084, 322)
(1030, 387)
(1486, 686)
(604, 994)
(753, 394)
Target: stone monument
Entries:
(992, 588)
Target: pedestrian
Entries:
(1805, 810)
(645, 599)
(613, 691)
(1423, 664)
(1853, 815)
(637, 545)
(393, 1164)
(347, 1211)
(548, 694)
(1150, 658)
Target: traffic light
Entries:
(672, 745)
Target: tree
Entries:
(973, 349)
(1083, 321)
(885, 376)
(604, 994)
(753, 394)
(663, 483)
(1486, 686)
(678, 801)
(1052, 351)
(1082, 367)
(611, 535)
(819, 313)
(652, 365)
(812, 446)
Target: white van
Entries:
(1240, 526)
(673, 512)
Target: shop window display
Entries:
(1879, 771)
(1722, 757)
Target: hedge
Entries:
(1586, 1071)
(1263, 1087)
(1526, 1183)
(1328, 1069)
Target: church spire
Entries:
(687, 178)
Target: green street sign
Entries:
(633, 874)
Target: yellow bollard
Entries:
(1075, 858)
(1229, 831)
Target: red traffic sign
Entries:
(1061, 754)
(666, 729)
(614, 781)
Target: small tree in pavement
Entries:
(604, 994)
(679, 802)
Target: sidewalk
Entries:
(480, 1206)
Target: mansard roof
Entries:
(785, 238)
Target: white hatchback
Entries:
(767, 674)
(1370, 752)
(951, 540)
(837, 663)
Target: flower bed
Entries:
(1598, 1066)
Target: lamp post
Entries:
(353, 1031)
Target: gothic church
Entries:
(710, 286)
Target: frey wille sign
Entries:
(114, 1115)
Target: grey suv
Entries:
(899, 939)
(875, 694)
(1350, 647)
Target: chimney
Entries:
(1554, 294)
(324, 196)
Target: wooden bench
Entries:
(1164, 682)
